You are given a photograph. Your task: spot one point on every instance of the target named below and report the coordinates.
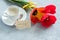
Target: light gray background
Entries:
(34, 33)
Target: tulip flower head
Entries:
(44, 15)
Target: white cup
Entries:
(12, 14)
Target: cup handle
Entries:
(23, 17)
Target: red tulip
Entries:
(43, 16)
(50, 9)
(48, 20)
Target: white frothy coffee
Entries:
(12, 10)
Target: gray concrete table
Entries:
(34, 33)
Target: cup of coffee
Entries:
(12, 14)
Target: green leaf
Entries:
(19, 2)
